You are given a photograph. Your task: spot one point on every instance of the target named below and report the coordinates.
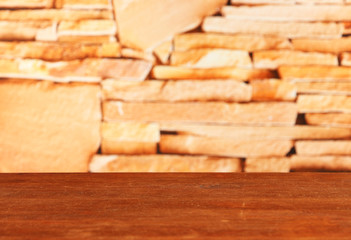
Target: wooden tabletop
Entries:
(175, 206)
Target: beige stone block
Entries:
(26, 3)
(273, 90)
(137, 54)
(323, 148)
(210, 112)
(329, 119)
(240, 74)
(287, 2)
(54, 15)
(87, 70)
(315, 73)
(211, 58)
(272, 164)
(297, 132)
(151, 26)
(163, 51)
(177, 91)
(129, 138)
(340, 88)
(324, 104)
(87, 28)
(346, 59)
(275, 58)
(84, 4)
(57, 51)
(282, 29)
(186, 144)
(163, 163)
(184, 42)
(26, 30)
(47, 127)
(335, 46)
(284, 13)
(321, 163)
(88, 39)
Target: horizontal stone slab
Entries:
(315, 73)
(211, 58)
(185, 144)
(87, 70)
(26, 3)
(54, 15)
(129, 138)
(287, 2)
(83, 4)
(340, 88)
(324, 104)
(270, 164)
(244, 42)
(335, 46)
(321, 163)
(88, 39)
(329, 119)
(295, 13)
(163, 163)
(233, 113)
(240, 74)
(177, 91)
(275, 58)
(87, 28)
(282, 29)
(323, 148)
(55, 51)
(273, 90)
(297, 132)
(23, 30)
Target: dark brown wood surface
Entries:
(175, 206)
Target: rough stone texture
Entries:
(164, 163)
(257, 133)
(150, 26)
(185, 144)
(323, 104)
(48, 127)
(282, 29)
(177, 91)
(22, 30)
(26, 3)
(87, 70)
(267, 164)
(315, 73)
(233, 113)
(211, 58)
(184, 42)
(322, 163)
(323, 45)
(273, 59)
(273, 90)
(58, 51)
(342, 88)
(323, 148)
(129, 138)
(329, 119)
(163, 51)
(296, 13)
(288, 2)
(83, 4)
(54, 15)
(174, 72)
(87, 28)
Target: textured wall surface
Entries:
(175, 85)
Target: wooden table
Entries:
(175, 206)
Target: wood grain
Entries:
(175, 206)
